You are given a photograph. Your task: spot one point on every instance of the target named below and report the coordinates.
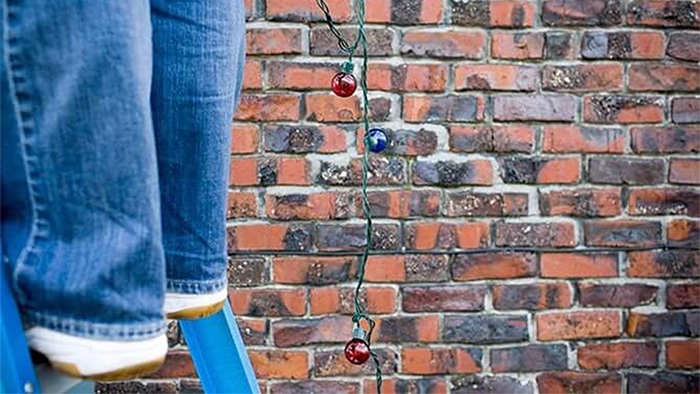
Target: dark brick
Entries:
(254, 332)
(618, 355)
(301, 332)
(380, 109)
(440, 235)
(324, 43)
(451, 173)
(332, 363)
(623, 109)
(666, 201)
(474, 384)
(314, 270)
(626, 171)
(382, 171)
(530, 358)
(542, 108)
(684, 46)
(668, 139)
(194, 386)
(135, 387)
(353, 236)
(579, 382)
(683, 232)
(672, 13)
(470, 13)
(450, 108)
(663, 382)
(427, 268)
(583, 77)
(486, 204)
(492, 138)
(494, 265)
(401, 203)
(485, 329)
(662, 324)
(622, 296)
(532, 296)
(622, 233)
(409, 142)
(315, 387)
(581, 202)
(664, 264)
(685, 110)
(530, 170)
(406, 385)
(404, 329)
(443, 298)
(293, 139)
(535, 234)
(247, 271)
(584, 13)
(268, 302)
(622, 45)
(557, 45)
(683, 295)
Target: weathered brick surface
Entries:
(536, 212)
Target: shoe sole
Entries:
(126, 373)
(197, 313)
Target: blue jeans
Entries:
(116, 120)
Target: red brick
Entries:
(664, 201)
(273, 41)
(584, 202)
(530, 170)
(293, 171)
(494, 265)
(397, 204)
(664, 264)
(512, 13)
(252, 75)
(385, 269)
(578, 325)
(532, 296)
(621, 233)
(557, 234)
(584, 139)
(266, 236)
(333, 363)
(560, 170)
(686, 109)
(671, 13)
(622, 45)
(440, 361)
(683, 295)
(436, 235)
(280, 364)
(683, 354)
(315, 206)
(242, 205)
(495, 77)
(178, 364)
(611, 356)
(244, 172)
(683, 232)
(579, 382)
(249, 8)
(626, 295)
(244, 139)
(418, 109)
(396, 12)
(407, 77)
(434, 385)
(301, 332)
(313, 270)
(443, 298)
(492, 138)
(588, 13)
(684, 171)
(583, 77)
(666, 139)
(327, 107)
(268, 107)
(623, 109)
(506, 45)
(306, 10)
(465, 203)
(332, 300)
(443, 44)
(667, 77)
(300, 75)
(268, 302)
(578, 265)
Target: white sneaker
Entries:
(98, 359)
(194, 306)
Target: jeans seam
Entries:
(99, 330)
(196, 286)
(23, 109)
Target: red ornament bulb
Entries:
(357, 351)
(343, 84)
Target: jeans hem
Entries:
(195, 286)
(105, 331)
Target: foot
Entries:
(193, 306)
(97, 359)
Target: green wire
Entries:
(360, 41)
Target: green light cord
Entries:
(360, 41)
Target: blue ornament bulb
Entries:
(377, 140)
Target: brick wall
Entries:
(571, 126)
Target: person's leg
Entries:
(198, 56)
(80, 204)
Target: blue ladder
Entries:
(214, 342)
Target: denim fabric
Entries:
(114, 163)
